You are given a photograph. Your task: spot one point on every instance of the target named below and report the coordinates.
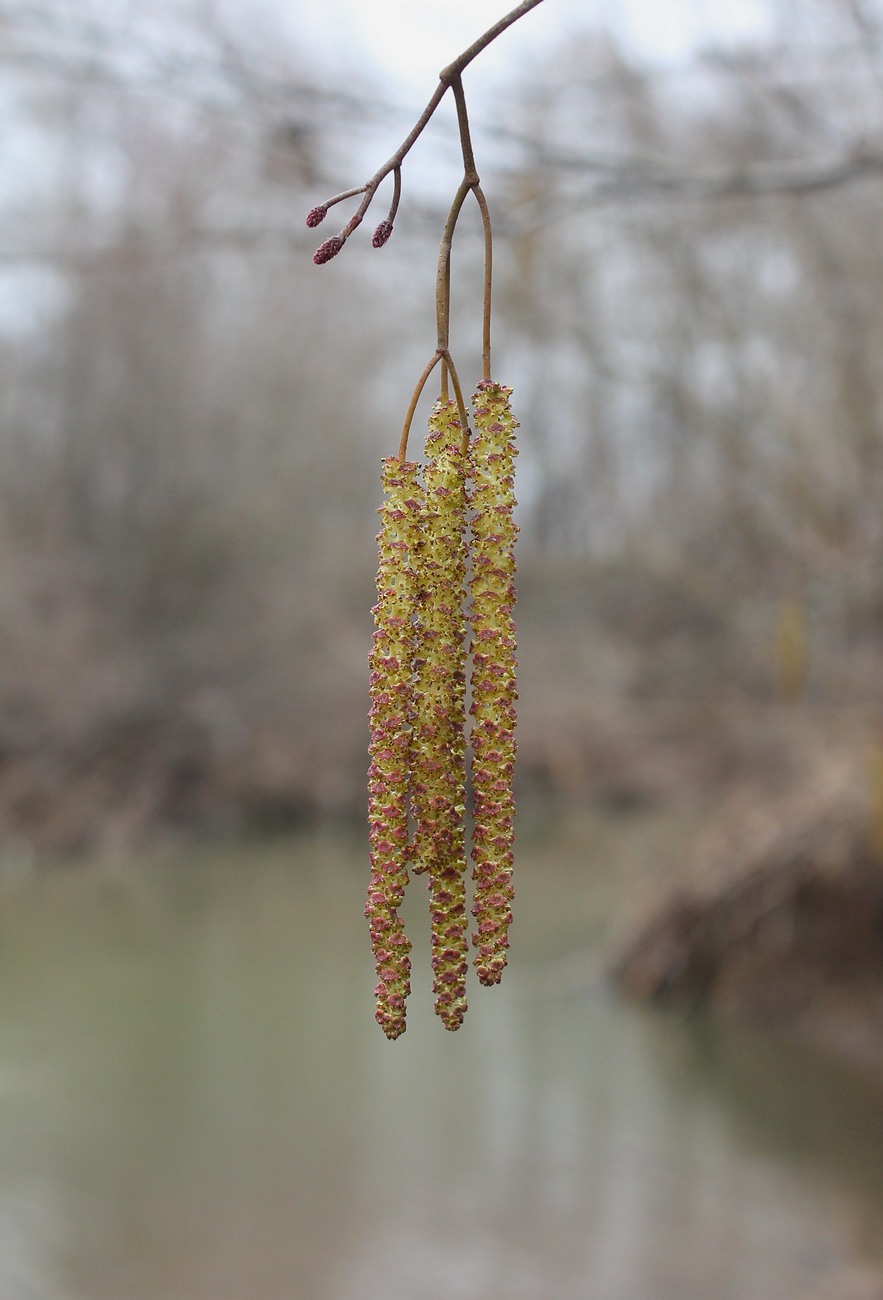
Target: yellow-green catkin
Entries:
(392, 719)
(493, 644)
(439, 763)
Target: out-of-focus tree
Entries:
(693, 282)
(190, 436)
(688, 289)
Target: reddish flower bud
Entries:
(381, 234)
(329, 249)
(316, 216)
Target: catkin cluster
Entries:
(445, 585)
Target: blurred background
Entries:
(689, 307)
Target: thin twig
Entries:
(488, 280)
(448, 77)
(471, 181)
(443, 275)
(448, 369)
(461, 405)
(415, 397)
(396, 195)
(347, 194)
(463, 60)
(470, 172)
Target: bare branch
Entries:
(633, 180)
(462, 62)
(448, 77)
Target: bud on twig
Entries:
(381, 234)
(316, 216)
(329, 249)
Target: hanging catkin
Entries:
(492, 592)
(392, 716)
(439, 767)
(417, 777)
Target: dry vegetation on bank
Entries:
(778, 919)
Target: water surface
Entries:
(195, 1104)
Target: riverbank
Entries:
(778, 917)
(635, 692)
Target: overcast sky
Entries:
(413, 39)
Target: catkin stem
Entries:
(415, 398)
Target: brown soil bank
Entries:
(781, 918)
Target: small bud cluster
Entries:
(334, 243)
(417, 778)
(492, 592)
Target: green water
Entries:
(195, 1104)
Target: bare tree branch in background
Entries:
(292, 107)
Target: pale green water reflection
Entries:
(195, 1104)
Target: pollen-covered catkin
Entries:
(492, 601)
(392, 717)
(439, 764)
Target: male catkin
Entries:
(492, 591)
(392, 718)
(439, 775)
(417, 779)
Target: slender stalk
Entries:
(458, 394)
(488, 277)
(447, 75)
(471, 181)
(470, 173)
(346, 194)
(396, 195)
(415, 398)
(395, 161)
(443, 275)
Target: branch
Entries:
(634, 180)
(623, 178)
(448, 77)
(463, 60)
